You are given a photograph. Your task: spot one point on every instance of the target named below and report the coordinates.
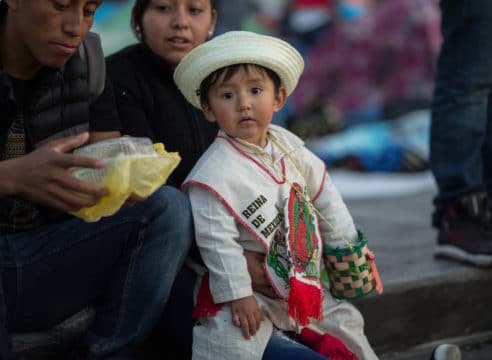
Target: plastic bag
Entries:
(133, 165)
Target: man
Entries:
(51, 264)
(461, 133)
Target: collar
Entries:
(290, 142)
(160, 66)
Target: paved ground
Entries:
(478, 349)
(399, 231)
(425, 300)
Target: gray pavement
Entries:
(478, 348)
(425, 300)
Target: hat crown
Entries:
(237, 47)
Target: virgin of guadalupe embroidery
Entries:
(303, 239)
(278, 257)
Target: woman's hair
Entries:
(138, 12)
(229, 72)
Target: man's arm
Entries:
(43, 176)
(96, 136)
(259, 281)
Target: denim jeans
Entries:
(282, 347)
(123, 265)
(461, 130)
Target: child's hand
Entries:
(247, 315)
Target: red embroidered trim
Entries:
(205, 306)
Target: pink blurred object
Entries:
(327, 345)
(387, 55)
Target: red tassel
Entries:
(379, 283)
(304, 302)
(326, 345)
(205, 306)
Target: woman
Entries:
(148, 102)
(150, 105)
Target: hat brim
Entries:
(237, 47)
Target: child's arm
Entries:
(247, 315)
(217, 234)
(327, 200)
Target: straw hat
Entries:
(237, 47)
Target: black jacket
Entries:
(150, 105)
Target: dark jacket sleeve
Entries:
(130, 98)
(103, 112)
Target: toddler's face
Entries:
(243, 106)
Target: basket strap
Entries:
(379, 283)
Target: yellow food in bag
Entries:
(133, 165)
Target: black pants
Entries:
(173, 335)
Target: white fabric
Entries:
(216, 338)
(222, 232)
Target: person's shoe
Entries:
(465, 232)
(446, 352)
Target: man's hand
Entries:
(43, 176)
(256, 271)
(247, 315)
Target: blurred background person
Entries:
(377, 55)
(461, 133)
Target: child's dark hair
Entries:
(230, 71)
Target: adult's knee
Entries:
(171, 202)
(171, 217)
(165, 219)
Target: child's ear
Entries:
(207, 112)
(280, 99)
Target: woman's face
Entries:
(172, 28)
